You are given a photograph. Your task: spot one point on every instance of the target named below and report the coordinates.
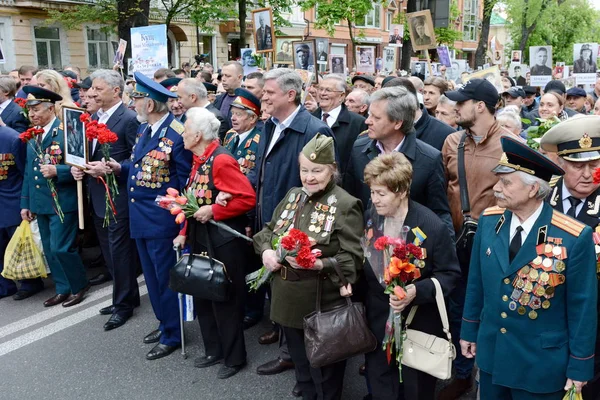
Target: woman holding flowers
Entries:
(323, 217)
(215, 170)
(427, 251)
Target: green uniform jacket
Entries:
(533, 331)
(335, 220)
(245, 152)
(35, 195)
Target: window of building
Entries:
(101, 49)
(373, 18)
(388, 19)
(470, 20)
(47, 44)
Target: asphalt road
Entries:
(59, 353)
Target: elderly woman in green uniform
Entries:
(334, 220)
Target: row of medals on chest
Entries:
(199, 185)
(155, 167)
(321, 219)
(539, 279)
(6, 161)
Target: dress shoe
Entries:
(76, 298)
(107, 310)
(153, 337)
(115, 321)
(269, 337)
(249, 322)
(56, 299)
(6, 295)
(160, 351)
(207, 361)
(296, 391)
(362, 370)
(227, 372)
(274, 367)
(455, 389)
(100, 279)
(25, 294)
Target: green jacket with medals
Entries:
(335, 220)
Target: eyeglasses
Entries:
(328, 91)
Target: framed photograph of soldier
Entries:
(337, 63)
(515, 56)
(284, 50)
(457, 67)
(248, 62)
(322, 50)
(421, 31)
(365, 59)
(389, 60)
(76, 149)
(444, 55)
(304, 55)
(585, 62)
(517, 71)
(540, 61)
(396, 35)
(419, 69)
(264, 31)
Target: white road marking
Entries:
(57, 326)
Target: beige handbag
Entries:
(429, 353)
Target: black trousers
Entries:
(385, 381)
(221, 323)
(324, 383)
(122, 261)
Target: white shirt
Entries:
(243, 136)
(526, 225)
(155, 126)
(333, 115)
(47, 129)
(280, 127)
(567, 204)
(380, 146)
(103, 117)
(4, 105)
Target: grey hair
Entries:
(8, 85)
(194, 86)
(544, 187)
(287, 79)
(200, 120)
(158, 107)
(365, 98)
(340, 80)
(446, 101)
(401, 105)
(110, 77)
(510, 114)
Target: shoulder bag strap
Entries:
(441, 304)
(462, 177)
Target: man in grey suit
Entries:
(192, 93)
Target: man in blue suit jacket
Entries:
(118, 249)
(12, 159)
(530, 309)
(11, 114)
(158, 162)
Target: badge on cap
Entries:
(312, 156)
(585, 142)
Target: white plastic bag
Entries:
(37, 239)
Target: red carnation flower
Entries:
(380, 243)
(305, 258)
(288, 243)
(596, 176)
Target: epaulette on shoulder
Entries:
(494, 210)
(554, 181)
(566, 223)
(177, 126)
(363, 133)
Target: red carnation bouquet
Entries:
(402, 264)
(182, 205)
(31, 136)
(104, 136)
(23, 104)
(293, 243)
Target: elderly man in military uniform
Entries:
(58, 234)
(530, 310)
(158, 162)
(577, 144)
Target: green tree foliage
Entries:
(332, 12)
(559, 23)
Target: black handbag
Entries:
(200, 275)
(466, 237)
(337, 334)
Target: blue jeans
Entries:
(462, 365)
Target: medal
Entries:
(521, 310)
(533, 314)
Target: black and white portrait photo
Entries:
(75, 140)
(322, 50)
(248, 62)
(418, 69)
(396, 35)
(337, 63)
(285, 51)
(422, 35)
(304, 55)
(540, 59)
(264, 32)
(584, 58)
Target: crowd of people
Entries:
(362, 157)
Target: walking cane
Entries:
(180, 298)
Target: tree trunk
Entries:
(407, 50)
(126, 21)
(242, 18)
(350, 30)
(482, 47)
(526, 31)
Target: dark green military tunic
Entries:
(335, 220)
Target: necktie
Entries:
(236, 142)
(146, 136)
(574, 203)
(325, 116)
(515, 244)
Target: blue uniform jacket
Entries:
(536, 345)
(160, 164)
(12, 164)
(35, 195)
(13, 117)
